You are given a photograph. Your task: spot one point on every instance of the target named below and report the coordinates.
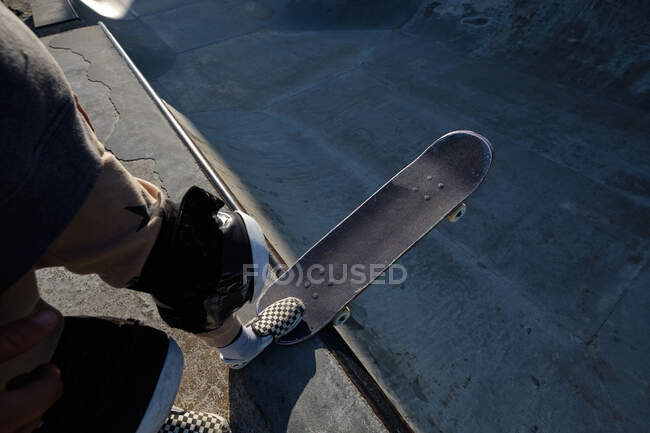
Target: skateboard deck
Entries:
(377, 233)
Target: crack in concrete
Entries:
(219, 41)
(110, 90)
(117, 114)
(306, 88)
(641, 268)
(154, 170)
(361, 58)
(144, 158)
(595, 335)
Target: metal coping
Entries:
(349, 362)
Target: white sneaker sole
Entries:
(259, 252)
(164, 394)
(237, 364)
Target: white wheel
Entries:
(342, 316)
(457, 213)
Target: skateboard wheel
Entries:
(457, 213)
(342, 316)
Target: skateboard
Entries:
(333, 272)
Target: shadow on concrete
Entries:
(274, 382)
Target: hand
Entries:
(28, 396)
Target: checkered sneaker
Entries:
(279, 318)
(187, 421)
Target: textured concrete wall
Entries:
(601, 45)
(595, 44)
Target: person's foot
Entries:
(118, 376)
(188, 421)
(275, 321)
(206, 264)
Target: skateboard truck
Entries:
(342, 316)
(457, 213)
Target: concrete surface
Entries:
(297, 390)
(532, 314)
(48, 12)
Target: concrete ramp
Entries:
(592, 45)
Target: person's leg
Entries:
(18, 301)
(193, 257)
(115, 229)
